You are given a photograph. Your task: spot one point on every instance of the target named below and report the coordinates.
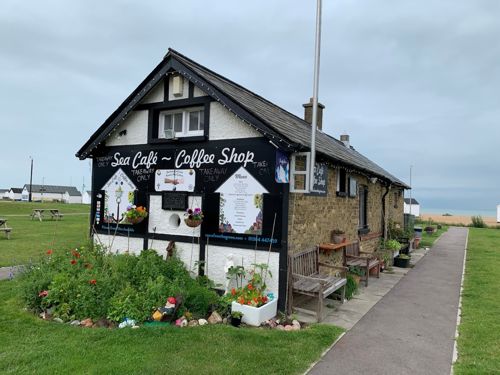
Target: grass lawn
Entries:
(479, 340)
(30, 345)
(31, 238)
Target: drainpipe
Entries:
(384, 223)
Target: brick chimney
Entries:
(308, 113)
(344, 138)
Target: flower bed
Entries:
(89, 283)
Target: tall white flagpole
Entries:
(315, 95)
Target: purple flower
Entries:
(197, 211)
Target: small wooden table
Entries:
(4, 228)
(37, 213)
(328, 247)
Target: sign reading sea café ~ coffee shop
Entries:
(189, 138)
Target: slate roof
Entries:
(270, 119)
(17, 190)
(54, 189)
(413, 201)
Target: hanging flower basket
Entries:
(193, 218)
(136, 220)
(135, 215)
(193, 223)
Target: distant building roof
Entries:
(17, 190)
(3, 191)
(413, 201)
(54, 189)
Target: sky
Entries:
(414, 83)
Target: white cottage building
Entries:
(411, 206)
(48, 193)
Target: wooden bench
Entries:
(354, 257)
(4, 228)
(306, 278)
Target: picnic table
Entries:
(38, 213)
(4, 228)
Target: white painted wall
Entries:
(120, 243)
(198, 92)
(217, 256)
(498, 213)
(187, 252)
(225, 125)
(164, 220)
(155, 95)
(415, 209)
(136, 125)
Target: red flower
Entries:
(73, 262)
(93, 281)
(250, 287)
(233, 291)
(75, 253)
(171, 300)
(249, 303)
(49, 252)
(43, 293)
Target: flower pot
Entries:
(193, 223)
(416, 243)
(235, 322)
(402, 263)
(254, 316)
(405, 249)
(338, 238)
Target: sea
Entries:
(459, 212)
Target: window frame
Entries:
(186, 112)
(344, 192)
(363, 226)
(306, 172)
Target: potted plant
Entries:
(393, 245)
(252, 300)
(135, 214)
(338, 236)
(193, 218)
(236, 318)
(356, 273)
(429, 230)
(402, 261)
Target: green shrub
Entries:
(478, 222)
(351, 287)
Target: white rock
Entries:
(296, 323)
(58, 320)
(202, 322)
(75, 323)
(215, 318)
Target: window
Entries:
(182, 123)
(363, 210)
(353, 187)
(341, 183)
(299, 179)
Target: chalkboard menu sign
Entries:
(320, 183)
(174, 201)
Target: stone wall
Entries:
(312, 218)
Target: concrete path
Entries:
(411, 329)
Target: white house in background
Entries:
(14, 194)
(87, 197)
(498, 213)
(43, 193)
(411, 206)
(3, 193)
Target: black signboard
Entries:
(320, 183)
(174, 201)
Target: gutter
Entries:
(384, 224)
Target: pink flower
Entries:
(43, 293)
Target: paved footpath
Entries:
(411, 329)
